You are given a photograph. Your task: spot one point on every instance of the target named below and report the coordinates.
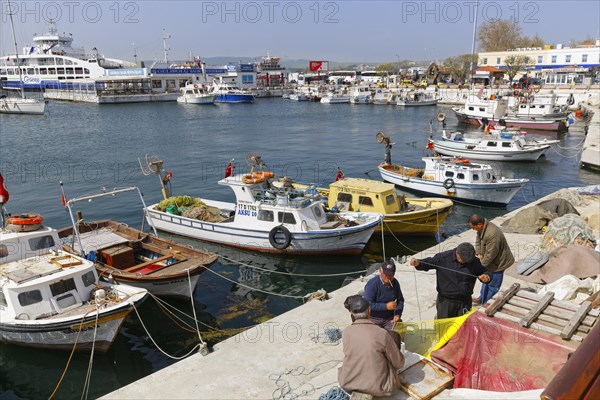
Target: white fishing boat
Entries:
(527, 113)
(454, 178)
(193, 93)
(22, 104)
(52, 299)
(336, 98)
(385, 97)
(501, 132)
(133, 256)
(268, 216)
(414, 99)
(489, 149)
(361, 95)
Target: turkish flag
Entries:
(3, 192)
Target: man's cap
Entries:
(466, 251)
(356, 304)
(389, 268)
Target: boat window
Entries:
(2, 71)
(365, 201)
(460, 175)
(2, 300)
(471, 108)
(449, 174)
(475, 177)
(42, 242)
(29, 298)
(3, 250)
(318, 211)
(482, 109)
(62, 286)
(345, 197)
(390, 199)
(492, 144)
(523, 106)
(265, 215)
(543, 106)
(488, 175)
(66, 301)
(43, 71)
(506, 144)
(286, 218)
(88, 279)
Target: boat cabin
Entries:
(261, 201)
(458, 169)
(365, 195)
(37, 280)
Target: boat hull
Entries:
(63, 334)
(351, 240)
(535, 124)
(234, 98)
(403, 103)
(458, 149)
(196, 100)
(417, 223)
(22, 106)
(494, 194)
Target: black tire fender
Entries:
(448, 183)
(280, 237)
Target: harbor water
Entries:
(90, 147)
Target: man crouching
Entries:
(371, 357)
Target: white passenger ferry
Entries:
(51, 59)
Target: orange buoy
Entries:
(24, 222)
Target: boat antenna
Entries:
(166, 36)
(154, 166)
(473, 45)
(12, 27)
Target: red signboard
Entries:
(315, 66)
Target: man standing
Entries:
(386, 299)
(456, 271)
(371, 358)
(494, 253)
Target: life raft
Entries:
(24, 222)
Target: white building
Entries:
(555, 65)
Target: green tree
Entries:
(459, 66)
(516, 63)
(387, 68)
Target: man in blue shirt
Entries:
(385, 297)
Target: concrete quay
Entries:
(290, 356)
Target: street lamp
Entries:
(134, 53)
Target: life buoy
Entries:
(448, 183)
(380, 137)
(441, 117)
(250, 179)
(264, 175)
(462, 161)
(26, 219)
(195, 86)
(280, 237)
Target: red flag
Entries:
(340, 175)
(3, 192)
(479, 94)
(430, 146)
(63, 200)
(229, 169)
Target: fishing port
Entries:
(197, 227)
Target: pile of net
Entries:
(191, 207)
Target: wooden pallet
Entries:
(568, 320)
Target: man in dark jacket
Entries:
(494, 253)
(456, 272)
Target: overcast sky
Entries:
(344, 31)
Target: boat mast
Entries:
(473, 46)
(12, 26)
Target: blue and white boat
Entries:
(227, 93)
(268, 216)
